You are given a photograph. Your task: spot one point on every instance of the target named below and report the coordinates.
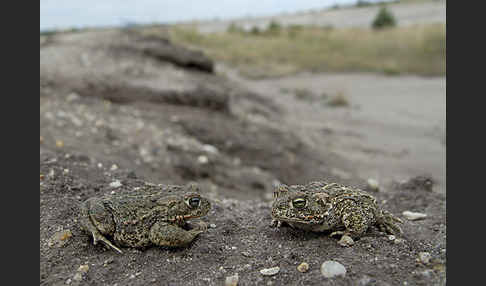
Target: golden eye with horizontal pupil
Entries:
(299, 203)
(194, 202)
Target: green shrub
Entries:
(384, 19)
(255, 31)
(274, 28)
(339, 100)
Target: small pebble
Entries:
(424, 257)
(426, 273)
(231, 280)
(303, 267)
(174, 118)
(83, 268)
(212, 225)
(373, 184)
(114, 167)
(330, 269)
(398, 241)
(72, 96)
(59, 143)
(210, 149)
(391, 237)
(413, 215)
(366, 281)
(60, 238)
(346, 240)
(115, 184)
(270, 271)
(202, 159)
(246, 253)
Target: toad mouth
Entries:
(305, 220)
(181, 218)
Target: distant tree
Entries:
(383, 19)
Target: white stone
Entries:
(115, 184)
(346, 240)
(202, 159)
(425, 257)
(330, 269)
(373, 184)
(210, 149)
(231, 280)
(270, 271)
(413, 215)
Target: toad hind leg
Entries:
(356, 221)
(99, 237)
(164, 234)
(87, 224)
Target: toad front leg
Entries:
(387, 222)
(165, 234)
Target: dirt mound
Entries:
(121, 92)
(170, 122)
(163, 50)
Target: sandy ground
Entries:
(112, 111)
(406, 14)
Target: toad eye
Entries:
(299, 203)
(194, 202)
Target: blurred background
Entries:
(241, 96)
(361, 80)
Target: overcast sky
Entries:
(76, 13)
